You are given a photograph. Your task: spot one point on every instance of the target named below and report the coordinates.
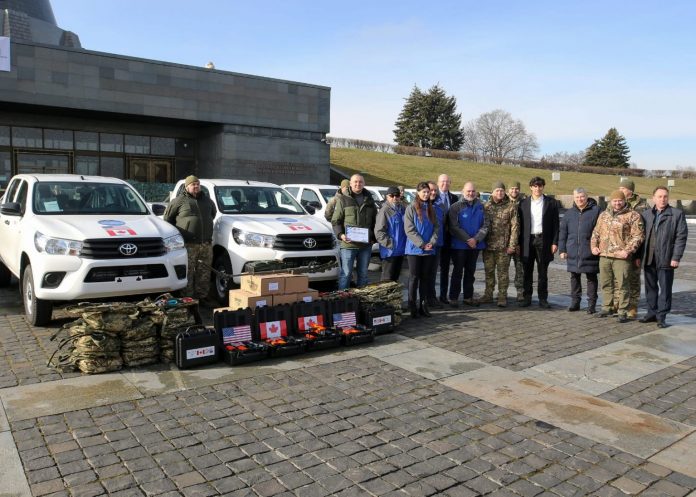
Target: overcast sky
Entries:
(568, 70)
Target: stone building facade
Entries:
(67, 109)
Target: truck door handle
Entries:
(7, 222)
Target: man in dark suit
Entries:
(665, 240)
(539, 224)
(445, 198)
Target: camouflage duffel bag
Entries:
(114, 316)
(96, 365)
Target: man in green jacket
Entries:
(353, 223)
(192, 212)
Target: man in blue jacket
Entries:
(389, 232)
(469, 226)
(665, 240)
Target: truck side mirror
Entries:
(11, 209)
(158, 209)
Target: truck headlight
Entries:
(56, 246)
(173, 243)
(252, 239)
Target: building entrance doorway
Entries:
(148, 170)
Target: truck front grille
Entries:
(106, 248)
(301, 242)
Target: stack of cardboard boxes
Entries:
(271, 289)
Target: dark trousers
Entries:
(464, 262)
(658, 290)
(419, 269)
(433, 275)
(536, 254)
(391, 268)
(576, 287)
(446, 256)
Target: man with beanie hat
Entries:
(639, 205)
(539, 224)
(616, 238)
(501, 243)
(192, 212)
(516, 197)
(331, 205)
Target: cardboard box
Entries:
(296, 283)
(308, 296)
(286, 298)
(263, 284)
(243, 299)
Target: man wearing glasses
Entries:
(389, 232)
(445, 199)
(539, 225)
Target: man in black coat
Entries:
(539, 224)
(445, 198)
(665, 240)
(575, 248)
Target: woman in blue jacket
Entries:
(421, 226)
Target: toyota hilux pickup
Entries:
(259, 221)
(71, 237)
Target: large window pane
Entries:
(61, 139)
(112, 166)
(162, 146)
(111, 142)
(139, 145)
(42, 163)
(4, 136)
(26, 137)
(87, 165)
(86, 140)
(5, 169)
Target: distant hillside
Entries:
(385, 169)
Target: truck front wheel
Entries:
(221, 287)
(37, 311)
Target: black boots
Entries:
(424, 311)
(413, 308)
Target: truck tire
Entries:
(5, 276)
(37, 312)
(220, 288)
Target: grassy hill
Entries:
(389, 169)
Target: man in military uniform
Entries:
(192, 212)
(633, 201)
(516, 197)
(616, 238)
(501, 242)
(331, 205)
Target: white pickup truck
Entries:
(258, 221)
(71, 237)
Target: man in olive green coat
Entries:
(192, 212)
(353, 223)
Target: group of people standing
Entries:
(439, 230)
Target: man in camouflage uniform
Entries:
(616, 238)
(501, 243)
(331, 205)
(516, 197)
(192, 212)
(639, 205)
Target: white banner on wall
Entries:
(4, 53)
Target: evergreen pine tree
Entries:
(429, 120)
(610, 151)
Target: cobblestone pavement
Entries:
(367, 424)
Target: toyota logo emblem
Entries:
(128, 248)
(309, 243)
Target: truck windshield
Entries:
(86, 198)
(255, 200)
